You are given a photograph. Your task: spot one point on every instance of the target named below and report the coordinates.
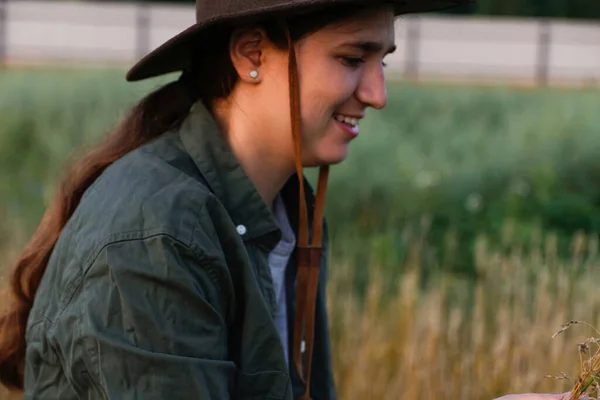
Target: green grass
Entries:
(46, 118)
(467, 159)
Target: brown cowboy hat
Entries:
(175, 54)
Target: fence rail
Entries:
(537, 51)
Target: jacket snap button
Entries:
(241, 229)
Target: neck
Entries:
(258, 150)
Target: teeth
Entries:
(346, 120)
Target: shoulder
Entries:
(155, 189)
(150, 202)
(147, 211)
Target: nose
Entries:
(371, 90)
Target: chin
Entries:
(331, 158)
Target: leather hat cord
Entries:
(309, 255)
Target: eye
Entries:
(353, 62)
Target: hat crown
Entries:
(209, 10)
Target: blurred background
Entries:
(473, 235)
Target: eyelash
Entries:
(354, 62)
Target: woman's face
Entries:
(341, 73)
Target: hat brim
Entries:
(175, 54)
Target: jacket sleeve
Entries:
(149, 322)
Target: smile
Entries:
(350, 121)
(349, 125)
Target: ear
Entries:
(246, 49)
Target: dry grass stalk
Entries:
(458, 340)
(436, 343)
(588, 382)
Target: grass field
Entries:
(475, 209)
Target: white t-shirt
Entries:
(278, 260)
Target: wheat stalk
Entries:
(588, 382)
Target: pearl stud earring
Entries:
(254, 74)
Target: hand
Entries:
(535, 396)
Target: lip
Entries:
(357, 116)
(350, 132)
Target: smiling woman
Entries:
(364, 50)
(183, 264)
(175, 261)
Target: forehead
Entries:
(376, 25)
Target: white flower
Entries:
(426, 179)
(473, 202)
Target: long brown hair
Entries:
(156, 113)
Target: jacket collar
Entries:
(227, 179)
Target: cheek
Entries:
(319, 105)
(326, 86)
(322, 93)
(330, 88)
(317, 118)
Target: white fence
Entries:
(104, 33)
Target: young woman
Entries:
(185, 258)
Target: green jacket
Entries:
(155, 291)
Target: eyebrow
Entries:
(370, 46)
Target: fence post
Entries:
(544, 44)
(413, 36)
(3, 32)
(142, 45)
